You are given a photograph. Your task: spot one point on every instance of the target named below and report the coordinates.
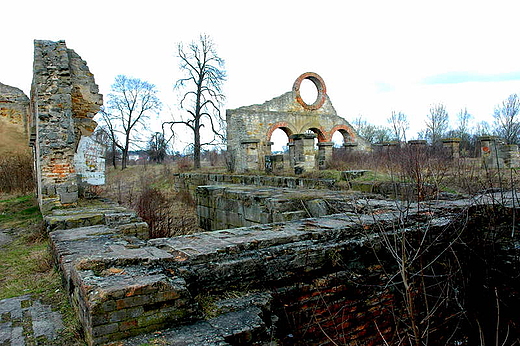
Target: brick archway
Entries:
(283, 125)
(320, 133)
(344, 130)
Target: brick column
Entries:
(489, 152)
(510, 155)
(324, 154)
(304, 153)
(452, 147)
(252, 160)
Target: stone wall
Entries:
(124, 286)
(232, 206)
(496, 154)
(249, 129)
(64, 99)
(14, 113)
(14, 106)
(190, 181)
(322, 280)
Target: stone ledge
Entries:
(123, 286)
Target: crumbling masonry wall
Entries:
(312, 279)
(232, 206)
(249, 129)
(64, 99)
(14, 111)
(14, 107)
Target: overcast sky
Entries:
(374, 56)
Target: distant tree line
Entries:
(131, 103)
(506, 125)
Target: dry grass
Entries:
(27, 266)
(150, 190)
(16, 173)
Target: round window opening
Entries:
(306, 92)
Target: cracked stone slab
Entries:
(24, 310)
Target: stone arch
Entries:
(284, 126)
(288, 112)
(319, 133)
(346, 132)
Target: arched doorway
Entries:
(338, 139)
(279, 139)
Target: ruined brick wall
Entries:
(14, 111)
(190, 181)
(14, 105)
(249, 128)
(333, 280)
(231, 206)
(337, 309)
(64, 99)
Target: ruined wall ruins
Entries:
(249, 129)
(496, 154)
(64, 99)
(14, 111)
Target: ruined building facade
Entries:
(14, 110)
(249, 129)
(64, 99)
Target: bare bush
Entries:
(166, 216)
(184, 164)
(16, 173)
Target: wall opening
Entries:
(338, 139)
(308, 91)
(318, 135)
(280, 139)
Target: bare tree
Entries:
(436, 123)
(507, 124)
(463, 131)
(157, 147)
(109, 126)
(463, 119)
(202, 92)
(129, 107)
(371, 133)
(399, 124)
(482, 128)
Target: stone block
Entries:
(166, 295)
(133, 301)
(68, 197)
(317, 207)
(203, 211)
(125, 314)
(138, 229)
(105, 329)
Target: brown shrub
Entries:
(184, 164)
(165, 216)
(16, 173)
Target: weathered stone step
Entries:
(239, 322)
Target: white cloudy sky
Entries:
(375, 56)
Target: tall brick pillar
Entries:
(324, 154)
(452, 147)
(510, 155)
(489, 152)
(252, 161)
(304, 153)
(64, 99)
